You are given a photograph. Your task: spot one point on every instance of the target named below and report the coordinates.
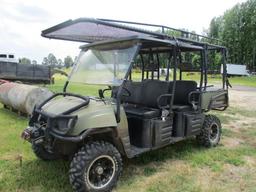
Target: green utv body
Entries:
(140, 114)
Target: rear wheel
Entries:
(211, 131)
(95, 167)
(43, 153)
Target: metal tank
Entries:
(22, 97)
(35, 97)
(4, 90)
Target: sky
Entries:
(21, 21)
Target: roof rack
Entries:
(92, 30)
(170, 31)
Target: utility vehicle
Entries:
(145, 111)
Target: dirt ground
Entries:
(244, 97)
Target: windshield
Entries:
(104, 64)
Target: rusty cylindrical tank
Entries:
(23, 97)
(4, 90)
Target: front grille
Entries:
(41, 122)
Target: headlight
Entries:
(63, 124)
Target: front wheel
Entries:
(95, 167)
(211, 131)
(44, 154)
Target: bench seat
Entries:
(143, 99)
(141, 112)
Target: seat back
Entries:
(182, 90)
(145, 93)
(135, 89)
(151, 90)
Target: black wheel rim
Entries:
(101, 172)
(214, 132)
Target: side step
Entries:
(137, 150)
(176, 139)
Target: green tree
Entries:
(68, 62)
(236, 28)
(34, 62)
(45, 61)
(52, 60)
(60, 63)
(24, 60)
(215, 28)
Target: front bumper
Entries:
(45, 127)
(33, 135)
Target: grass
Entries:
(184, 166)
(249, 81)
(212, 79)
(246, 81)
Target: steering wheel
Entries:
(101, 92)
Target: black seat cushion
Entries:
(143, 99)
(141, 112)
(181, 108)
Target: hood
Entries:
(60, 105)
(97, 114)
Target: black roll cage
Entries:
(174, 53)
(185, 41)
(174, 50)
